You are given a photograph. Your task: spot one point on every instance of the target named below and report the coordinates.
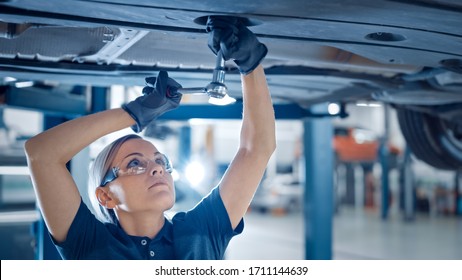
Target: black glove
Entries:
(159, 96)
(236, 42)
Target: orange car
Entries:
(358, 145)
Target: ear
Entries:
(104, 198)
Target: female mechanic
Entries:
(133, 185)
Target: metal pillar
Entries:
(408, 186)
(318, 196)
(184, 149)
(458, 196)
(368, 185)
(349, 198)
(98, 99)
(384, 152)
(3, 142)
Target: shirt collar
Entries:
(166, 232)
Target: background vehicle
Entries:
(359, 145)
(279, 194)
(405, 53)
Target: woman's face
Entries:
(148, 191)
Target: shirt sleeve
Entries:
(82, 236)
(209, 226)
(213, 208)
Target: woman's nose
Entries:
(156, 168)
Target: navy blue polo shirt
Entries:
(201, 233)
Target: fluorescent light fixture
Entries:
(222, 101)
(368, 104)
(9, 79)
(14, 170)
(24, 84)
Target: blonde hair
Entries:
(98, 170)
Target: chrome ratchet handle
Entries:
(215, 89)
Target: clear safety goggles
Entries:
(136, 164)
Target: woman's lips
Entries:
(159, 183)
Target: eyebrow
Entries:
(140, 154)
(133, 154)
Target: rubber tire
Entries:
(430, 139)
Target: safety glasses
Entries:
(136, 164)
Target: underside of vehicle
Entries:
(404, 53)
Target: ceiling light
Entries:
(175, 175)
(333, 108)
(368, 104)
(9, 79)
(195, 173)
(24, 84)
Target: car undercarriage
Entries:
(404, 53)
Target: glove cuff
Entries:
(137, 126)
(254, 60)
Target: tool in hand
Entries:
(216, 88)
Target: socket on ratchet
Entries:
(216, 88)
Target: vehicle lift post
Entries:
(384, 153)
(407, 182)
(319, 181)
(457, 191)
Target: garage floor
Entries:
(357, 234)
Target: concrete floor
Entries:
(358, 234)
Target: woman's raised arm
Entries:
(257, 139)
(48, 152)
(47, 155)
(257, 144)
